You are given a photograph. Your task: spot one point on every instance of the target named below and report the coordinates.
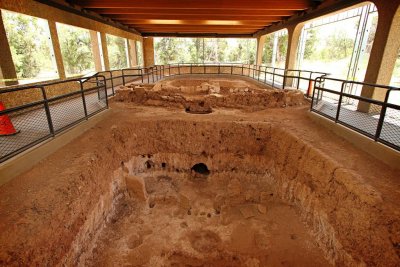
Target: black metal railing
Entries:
(274, 77)
(40, 112)
(370, 109)
(46, 112)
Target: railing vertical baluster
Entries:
(382, 116)
(83, 100)
(340, 101)
(273, 78)
(284, 79)
(47, 110)
(265, 74)
(123, 77)
(112, 83)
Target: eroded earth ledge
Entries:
(151, 186)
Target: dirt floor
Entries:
(196, 221)
(280, 191)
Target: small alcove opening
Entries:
(201, 168)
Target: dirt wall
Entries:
(58, 218)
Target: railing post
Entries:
(317, 80)
(123, 77)
(242, 69)
(141, 73)
(273, 78)
(382, 116)
(105, 90)
(83, 100)
(340, 102)
(231, 69)
(284, 79)
(47, 110)
(112, 83)
(265, 74)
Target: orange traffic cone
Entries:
(6, 126)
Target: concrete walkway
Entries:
(367, 122)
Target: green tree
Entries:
(76, 49)
(25, 39)
(310, 43)
(267, 50)
(117, 52)
(338, 46)
(166, 50)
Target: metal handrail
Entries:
(391, 140)
(13, 147)
(279, 78)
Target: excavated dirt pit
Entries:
(190, 90)
(155, 186)
(182, 216)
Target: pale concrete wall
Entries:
(260, 46)
(7, 68)
(132, 53)
(94, 41)
(384, 52)
(148, 51)
(57, 49)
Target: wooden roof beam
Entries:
(179, 4)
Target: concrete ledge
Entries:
(380, 151)
(27, 159)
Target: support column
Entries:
(148, 51)
(8, 75)
(94, 40)
(105, 51)
(260, 49)
(57, 49)
(132, 53)
(383, 53)
(294, 33)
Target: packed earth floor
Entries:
(154, 185)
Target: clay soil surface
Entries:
(106, 199)
(197, 221)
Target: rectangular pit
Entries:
(261, 177)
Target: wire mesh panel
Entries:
(131, 75)
(362, 121)
(66, 111)
(225, 69)
(366, 108)
(32, 126)
(237, 70)
(390, 132)
(212, 69)
(321, 105)
(95, 101)
(185, 69)
(197, 69)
